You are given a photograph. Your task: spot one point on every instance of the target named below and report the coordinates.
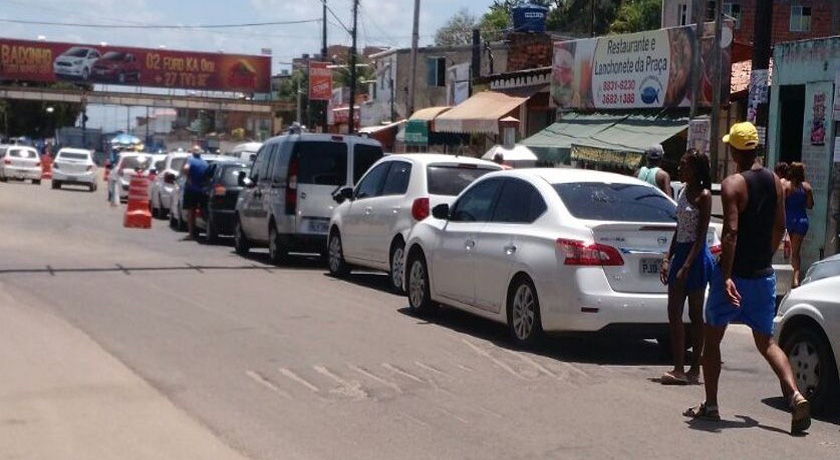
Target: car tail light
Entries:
(716, 250)
(56, 166)
(584, 253)
(219, 190)
(291, 188)
(420, 209)
(38, 164)
(7, 161)
(89, 168)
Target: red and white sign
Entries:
(320, 81)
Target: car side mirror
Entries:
(343, 194)
(441, 211)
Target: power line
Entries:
(346, 29)
(164, 26)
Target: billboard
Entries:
(649, 69)
(48, 62)
(320, 81)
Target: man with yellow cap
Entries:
(744, 284)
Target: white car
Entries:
(160, 191)
(370, 226)
(555, 250)
(20, 162)
(807, 327)
(76, 62)
(74, 167)
(125, 169)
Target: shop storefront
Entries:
(804, 111)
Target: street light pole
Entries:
(716, 93)
(412, 76)
(350, 123)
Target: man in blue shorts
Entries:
(744, 285)
(195, 169)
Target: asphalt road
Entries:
(288, 363)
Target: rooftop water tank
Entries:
(529, 18)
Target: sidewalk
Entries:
(64, 397)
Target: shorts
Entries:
(192, 199)
(797, 225)
(758, 302)
(700, 272)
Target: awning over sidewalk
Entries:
(429, 113)
(478, 114)
(554, 143)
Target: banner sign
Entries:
(320, 81)
(48, 62)
(642, 70)
(699, 133)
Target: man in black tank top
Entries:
(744, 285)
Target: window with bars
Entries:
(800, 18)
(733, 10)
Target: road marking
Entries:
(413, 419)
(346, 388)
(488, 411)
(405, 374)
(453, 415)
(288, 373)
(431, 369)
(255, 376)
(461, 366)
(532, 362)
(494, 360)
(375, 377)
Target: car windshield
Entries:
(131, 163)
(72, 156)
(76, 52)
(230, 175)
(450, 180)
(113, 56)
(23, 153)
(616, 202)
(177, 163)
(825, 269)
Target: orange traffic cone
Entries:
(46, 167)
(137, 214)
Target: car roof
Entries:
(323, 137)
(73, 150)
(569, 175)
(431, 158)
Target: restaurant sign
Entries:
(642, 70)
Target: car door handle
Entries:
(368, 210)
(469, 244)
(510, 249)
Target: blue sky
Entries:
(381, 22)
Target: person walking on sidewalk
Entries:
(798, 197)
(688, 266)
(194, 170)
(743, 287)
(653, 174)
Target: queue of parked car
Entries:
(538, 250)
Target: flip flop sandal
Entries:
(671, 379)
(800, 415)
(703, 412)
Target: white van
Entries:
(287, 199)
(246, 152)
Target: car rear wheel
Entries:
(335, 256)
(240, 242)
(36, 181)
(813, 367)
(523, 313)
(93, 187)
(276, 252)
(398, 266)
(56, 185)
(419, 297)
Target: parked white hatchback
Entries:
(74, 167)
(369, 227)
(20, 162)
(160, 190)
(555, 250)
(807, 327)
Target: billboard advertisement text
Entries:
(48, 62)
(320, 81)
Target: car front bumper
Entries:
(21, 173)
(88, 177)
(165, 197)
(784, 279)
(72, 71)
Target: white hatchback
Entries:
(370, 226)
(20, 162)
(557, 250)
(74, 167)
(160, 190)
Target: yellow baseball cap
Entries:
(742, 136)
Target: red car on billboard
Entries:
(242, 75)
(116, 66)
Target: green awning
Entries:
(554, 143)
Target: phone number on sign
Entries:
(623, 85)
(615, 99)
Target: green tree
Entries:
(31, 118)
(457, 30)
(637, 16)
(575, 18)
(494, 23)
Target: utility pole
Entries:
(297, 111)
(324, 104)
(412, 76)
(762, 37)
(591, 19)
(350, 122)
(697, 11)
(714, 133)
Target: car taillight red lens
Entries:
(90, 168)
(219, 190)
(583, 253)
(7, 161)
(291, 188)
(420, 209)
(716, 250)
(38, 164)
(56, 166)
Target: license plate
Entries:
(650, 267)
(318, 226)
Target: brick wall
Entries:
(528, 51)
(821, 20)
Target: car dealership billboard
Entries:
(40, 61)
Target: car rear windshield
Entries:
(23, 153)
(322, 163)
(230, 175)
(177, 163)
(450, 180)
(616, 202)
(130, 163)
(72, 156)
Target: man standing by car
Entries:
(194, 170)
(653, 174)
(744, 285)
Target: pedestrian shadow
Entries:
(828, 416)
(589, 348)
(711, 426)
